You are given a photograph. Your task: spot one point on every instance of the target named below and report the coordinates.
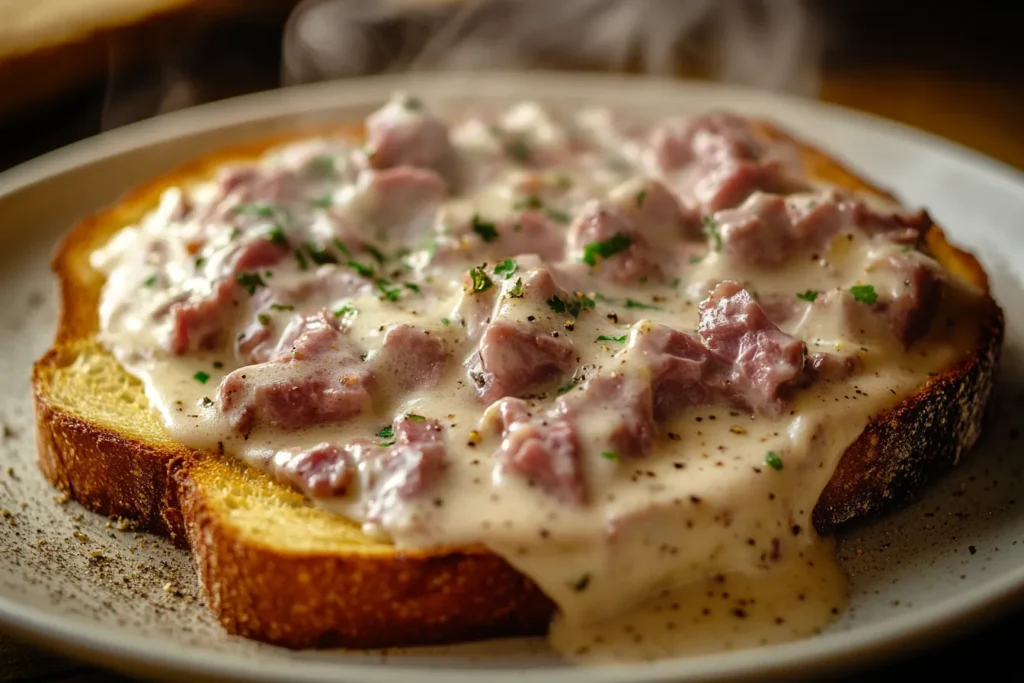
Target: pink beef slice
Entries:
(683, 372)
(402, 201)
(197, 322)
(600, 222)
(321, 471)
(722, 159)
(515, 354)
(250, 184)
(418, 139)
(910, 313)
(529, 233)
(407, 469)
(657, 214)
(765, 362)
(543, 451)
(766, 229)
(628, 403)
(410, 357)
(318, 378)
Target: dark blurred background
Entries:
(70, 69)
(67, 72)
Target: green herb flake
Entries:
(385, 444)
(517, 289)
(386, 433)
(149, 281)
(201, 377)
(446, 322)
(641, 197)
(486, 229)
(375, 253)
(413, 417)
(323, 202)
(531, 202)
(199, 262)
(558, 216)
(251, 282)
(362, 269)
(864, 294)
(585, 300)
(711, 230)
(518, 149)
(610, 455)
(696, 258)
(264, 319)
(320, 255)
(282, 307)
(556, 304)
(347, 309)
(261, 210)
(675, 283)
(300, 258)
(478, 280)
(773, 460)
(341, 247)
(906, 249)
(605, 248)
(323, 166)
(620, 340)
(568, 387)
(235, 234)
(809, 295)
(632, 303)
(508, 267)
(412, 287)
(276, 236)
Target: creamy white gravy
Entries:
(705, 543)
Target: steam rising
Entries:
(765, 43)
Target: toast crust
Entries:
(320, 592)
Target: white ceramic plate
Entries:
(948, 560)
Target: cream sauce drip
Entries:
(700, 545)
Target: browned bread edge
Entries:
(304, 600)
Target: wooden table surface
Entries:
(985, 113)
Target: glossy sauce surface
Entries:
(703, 543)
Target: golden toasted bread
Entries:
(277, 569)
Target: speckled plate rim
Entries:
(826, 123)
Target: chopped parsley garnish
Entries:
(605, 337)
(557, 215)
(387, 292)
(571, 307)
(362, 269)
(675, 283)
(218, 365)
(385, 444)
(261, 210)
(276, 236)
(610, 455)
(581, 583)
(641, 197)
(320, 255)
(282, 307)
(324, 201)
(412, 287)
(696, 259)
(446, 322)
(235, 234)
(568, 387)
(556, 304)
(585, 300)
(711, 230)
(632, 303)
(341, 247)
(809, 295)
(264, 319)
(149, 281)
(602, 298)
(864, 294)
(199, 262)
(413, 417)
(517, 289)
(605, 248)
(529, 202)
(386, 433)
(301, 259)
(201, 377)
(906, 249)
(773, 460)
(251, 282)
(478, 280)
(507, 268)
(486, 229)
(323, 166)
(518, 149)
(344, 310)
(375, 253)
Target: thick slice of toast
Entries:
(276, 569)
